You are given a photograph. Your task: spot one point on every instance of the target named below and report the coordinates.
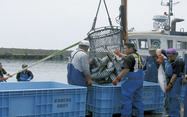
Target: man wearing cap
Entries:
(78, 67)
(25, 75)
(2, 73)
(131, 82)
(151, 65)
(174, 73)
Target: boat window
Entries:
(155, 42)
(170, 43)
(143, 44)
(184, 45)
(181, 45)
(133, 41)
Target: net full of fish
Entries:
(104, 70)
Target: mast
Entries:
(170, 4)
(123, 23)
(170, 10)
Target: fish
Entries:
(104, 61)
(162, 78)
(112, 76)
(94, 70)
(104, 70)
(110, 64)
(103, 74)
(96, 62)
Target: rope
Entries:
(54, 54)
(109, 19)
(95, 19)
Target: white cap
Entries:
(85, 42)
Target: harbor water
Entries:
(49, 70)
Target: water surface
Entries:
(49, 70)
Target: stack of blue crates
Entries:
(105, 100)
(42, 99)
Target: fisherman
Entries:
(174, 73)
(25, 75)
(131, 82)
(78, 68)
(152, 64)
(185, 98)
(2, 73)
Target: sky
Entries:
(57, 24)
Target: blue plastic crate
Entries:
(42, 99)
(106, 99)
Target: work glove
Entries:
(90, 62)
(89, 80)
(118, 52)
(9, 75)
(160, 59)
(4, 78)
(168, 87)
(116, 80)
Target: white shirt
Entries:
(80, 61)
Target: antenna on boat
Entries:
(170, 12)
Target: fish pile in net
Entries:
(104, 70)
(103, 42)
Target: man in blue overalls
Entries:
(2, 73)
(185, 98)
(151, 65)
(78, 67)
(174, 73)
(131, 82)
(25, 75)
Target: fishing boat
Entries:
(164, 35)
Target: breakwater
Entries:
(17, 53)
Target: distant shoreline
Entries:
(17, 53)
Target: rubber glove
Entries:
(4, 78)
(89, 80)
(168, 87)
(9, 75)
(160, 59)
(116, 80)
(118, 52)
(90, 62)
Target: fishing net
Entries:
(103, 42)
(103, 37)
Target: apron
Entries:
(151, 73)
(131, 93)
(185, 103)
(173, 95)
(24, 77)
(75, 77)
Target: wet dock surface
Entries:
(148, 114)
